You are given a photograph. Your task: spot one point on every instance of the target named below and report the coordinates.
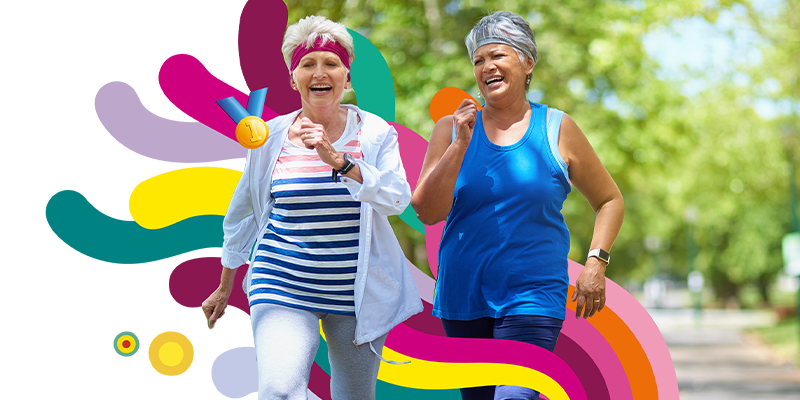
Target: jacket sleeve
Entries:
(384, 185)
(239, 226)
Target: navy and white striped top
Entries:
(307, 257)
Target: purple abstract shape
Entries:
(179, 66)
(600, 351)
(261, 29)
(415, 344)
(193, 281)
(584, 366)
(96, 100)
(235, 372)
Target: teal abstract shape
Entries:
(409, 216)
(82, 351)
(94, 253)
(372, 79)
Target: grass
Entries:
(783, 339)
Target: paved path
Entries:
(716, 361)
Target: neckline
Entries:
(345, 133)
(520, 142)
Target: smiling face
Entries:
(320, 78)
(499, 72)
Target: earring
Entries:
(528, 81)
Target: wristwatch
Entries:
(599, 253)
(349, 163)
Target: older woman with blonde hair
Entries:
(500, 176)
(315, 199)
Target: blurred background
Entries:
(694, 108)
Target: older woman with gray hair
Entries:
(500, 176)
(315, 199)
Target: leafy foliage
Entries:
(667, 150)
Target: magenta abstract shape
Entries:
(412, 152)
(585, 335)
(261, 29)
(193, 281)
(96, 99)
(179, 66)
(415, 344)
(644, 328)
(230, 374)
(584, 366)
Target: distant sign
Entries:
(791, 254)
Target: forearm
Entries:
(433, 198)
(354, 173)
(227, 280)
(608, 223)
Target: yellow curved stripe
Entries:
(421, 374)
(174, 196)
(431, 375)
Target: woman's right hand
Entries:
(214, 306)
(464, 119)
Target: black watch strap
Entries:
(349, 163)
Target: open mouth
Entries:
(493, 82)
(321, 88)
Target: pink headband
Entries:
(331, 46)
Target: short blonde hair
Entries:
(308, 30)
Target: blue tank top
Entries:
(505, 243)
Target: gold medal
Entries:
(251, 130)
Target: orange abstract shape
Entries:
(173, 353)
(447, 100)
(630, 352)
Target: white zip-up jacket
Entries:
(385, 293)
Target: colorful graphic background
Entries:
(131, 245)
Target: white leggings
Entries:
(286, 342)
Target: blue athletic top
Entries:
(505, 243)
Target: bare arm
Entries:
(433, 198)
(594, 182)
(214, 306)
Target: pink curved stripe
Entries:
(179, 67)
(644, 328)
(433, 236)
(412, 152)
(597, 347)
(458, 350)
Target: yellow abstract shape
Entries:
(173, 353)
(170, 354)
(171, 197)
(431, 375)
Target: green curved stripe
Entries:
(94, 253)
(409, 216)
(372, 79)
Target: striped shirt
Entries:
(307, 257)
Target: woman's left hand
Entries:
(590, 288)
(314, 137)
